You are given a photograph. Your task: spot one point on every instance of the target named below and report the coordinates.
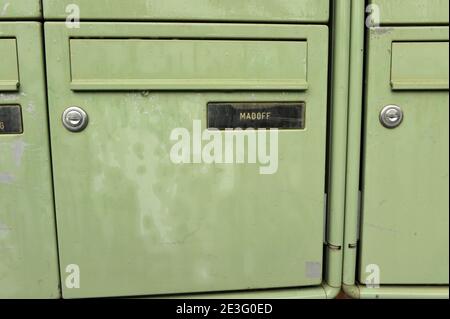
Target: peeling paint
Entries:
(313, 269)
(6, 178)
(4, 229)
(5, 7)
(11, 96)
(18, 148)
(30, 108)
(379, 31)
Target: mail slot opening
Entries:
(9, 67)
(188, 64)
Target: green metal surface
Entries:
(397, 292)
(302, 293)
(350, 286)
(412, 12)
(28, 256)
(20, 9)
(354, 142)
(9, 71)
(337, 139)
(320, 292)
(432, 57)
(405, 177)
(152, 70)
(193, 10)
(137, 224)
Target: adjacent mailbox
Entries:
(143, 205)
(28, 262)
(405, 199)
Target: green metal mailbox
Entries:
(28, 254)
(133, 221)
(405, 188)
(401, 247)
(210, 147)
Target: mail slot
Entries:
(9, 71)
(194, 10)
(188, 64)
(419, 66)
(162, 210)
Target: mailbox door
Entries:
(405, 205)
(131, 220)
(20, 9)
(193, 10)
(28, 255)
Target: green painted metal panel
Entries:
(419, 66)
(9, 71)
(405, 292)
(20, 9)
(352, 182)
(397, 292)
(405, 177)
(137, 224)
(156, 64)
(28, 254)
(205, 10)
(337, 140)
(411, 11)
(318, 292)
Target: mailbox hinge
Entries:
(325, 239)
(333, 247)
(358, 222)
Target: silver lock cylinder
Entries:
(75, 119)
(391, 116)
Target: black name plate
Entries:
(280, 115)
(10, 119)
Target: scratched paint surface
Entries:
(28, 256)
(138, 224)
(20, 9)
